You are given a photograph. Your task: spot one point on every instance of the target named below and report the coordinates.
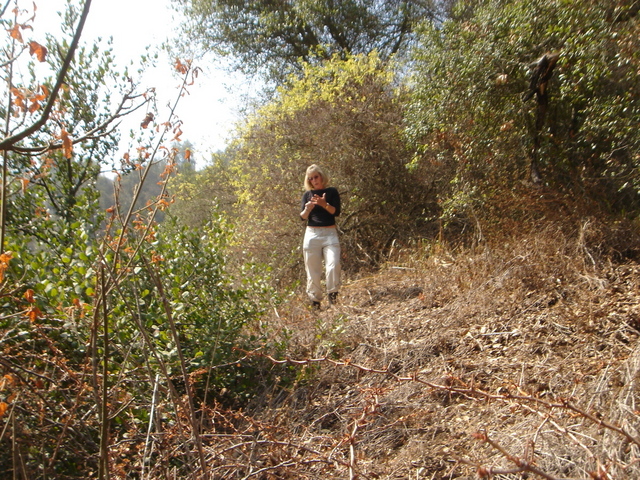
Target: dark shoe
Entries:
(314, 305)
(333, 298)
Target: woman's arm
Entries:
(307, 206)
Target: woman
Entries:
(320, 207)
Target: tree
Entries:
(59, 186)
(273, 37)
(54, 136)
(468, 118)
(200, 194)
(55, 293)
(347, 116)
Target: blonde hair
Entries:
(310, 171)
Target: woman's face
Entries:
(315, 179)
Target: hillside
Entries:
(534, 345)
(513, 355)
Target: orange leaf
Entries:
(17, 93)
(29, 295)
(8, 379)
(3, 408)
(4, 264)
(33, 313)
(20, 104)
(42, 212)
(15, 33)
(19, 99)
(36, 98)
(147, 120)
(35, 106)
(45, 92)
(40, 51)
(48, 164)
(181, 67)
(187, 154)
(67, 144)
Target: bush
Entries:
(347, 117)
(468, 119)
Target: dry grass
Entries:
(523, 356)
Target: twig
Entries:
(104, 409)
(153, 409)
(521, 465)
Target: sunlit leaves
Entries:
(335, 81)
(346, 115)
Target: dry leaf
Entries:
(29, 295)
(33, 313)
(181, 67)
(147, 120)
(15, 33)
(67, 144)
(4, 264)
(40, 51)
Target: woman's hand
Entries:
(307, 209)
(320, 200)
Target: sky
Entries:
(214, 101)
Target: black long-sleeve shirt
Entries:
(319, 217)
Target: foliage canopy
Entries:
(468, 116)
(274, 37)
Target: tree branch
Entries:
(10, 141)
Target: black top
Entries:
(319, 217)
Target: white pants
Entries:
(321, 243)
